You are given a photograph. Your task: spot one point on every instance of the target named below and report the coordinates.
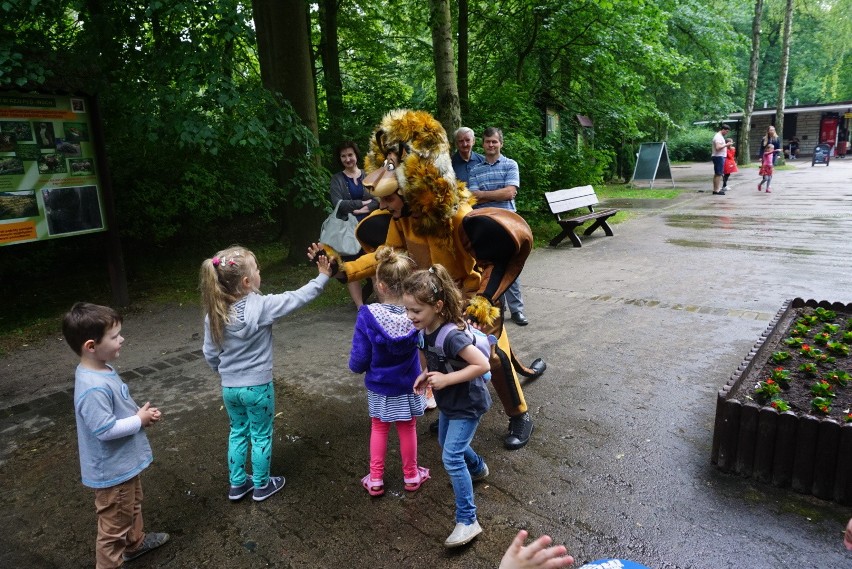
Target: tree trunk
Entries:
(284, 53)
(449, 112)
(782, 77)
(330, 55)
(464, 49)
(745, 131)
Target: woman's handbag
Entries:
(339, 234)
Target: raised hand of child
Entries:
(536, 555)
(847, 537)
(324, 265)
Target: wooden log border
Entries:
(811, 455)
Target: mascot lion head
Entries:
(410, 153)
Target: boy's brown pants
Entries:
(119, 511)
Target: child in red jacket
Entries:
(766, 167)
(730, 164)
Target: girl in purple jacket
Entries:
(385, 347)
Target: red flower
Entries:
(806, 348)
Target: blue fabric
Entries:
(718, 165)
(512, 297)
(393, 408)
(460, 462)
(463, 168)
(355, 187)
(613, 564)
(100, 399)
(485, 177)
(250, 410)
(384, 345)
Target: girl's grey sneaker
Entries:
(238, 492)
(464, 533)
(275, 484)
(151, 541)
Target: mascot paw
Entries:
(334, 257)
(482, 311)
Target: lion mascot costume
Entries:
(428, 213)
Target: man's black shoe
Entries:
(520, 430)
(538, 366)
(519, 319)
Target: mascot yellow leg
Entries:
(505, 380)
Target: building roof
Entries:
(841, 106)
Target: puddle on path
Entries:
(740, 247)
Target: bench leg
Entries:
(575, 239)
(558, 239)
(599, 223)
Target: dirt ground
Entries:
(639, 330)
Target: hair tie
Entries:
(435, 288)
(215, 261)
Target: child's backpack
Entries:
(481, 340)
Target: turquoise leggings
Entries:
(251, 410)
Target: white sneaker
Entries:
(464, 533)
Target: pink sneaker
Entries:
(768, 190)
(760, 187)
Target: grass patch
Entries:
(544, 226)
(42, 280)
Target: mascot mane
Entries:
(425, 174)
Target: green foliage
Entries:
(690, 144)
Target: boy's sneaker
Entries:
(238, 492)
(481, 475)
(275, 484)
(151, 541)
(464, 533)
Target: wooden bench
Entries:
(563, 201)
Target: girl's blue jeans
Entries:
(460, 461)
(251, 410)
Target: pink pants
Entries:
(406, 431)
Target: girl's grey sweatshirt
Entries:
(245, 358)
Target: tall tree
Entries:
(449, 111)
(782, 75)
(464, 50)
(745, 132)
(284, 53)
(330, 56)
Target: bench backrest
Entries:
(565, 200)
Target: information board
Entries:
(822, 154)
(652, 163)
(49, 185)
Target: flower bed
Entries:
(785, 415)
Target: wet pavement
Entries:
(639, 330)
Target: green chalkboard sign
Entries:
(652, 163)
(822, 154)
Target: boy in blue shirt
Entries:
(113, 448)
